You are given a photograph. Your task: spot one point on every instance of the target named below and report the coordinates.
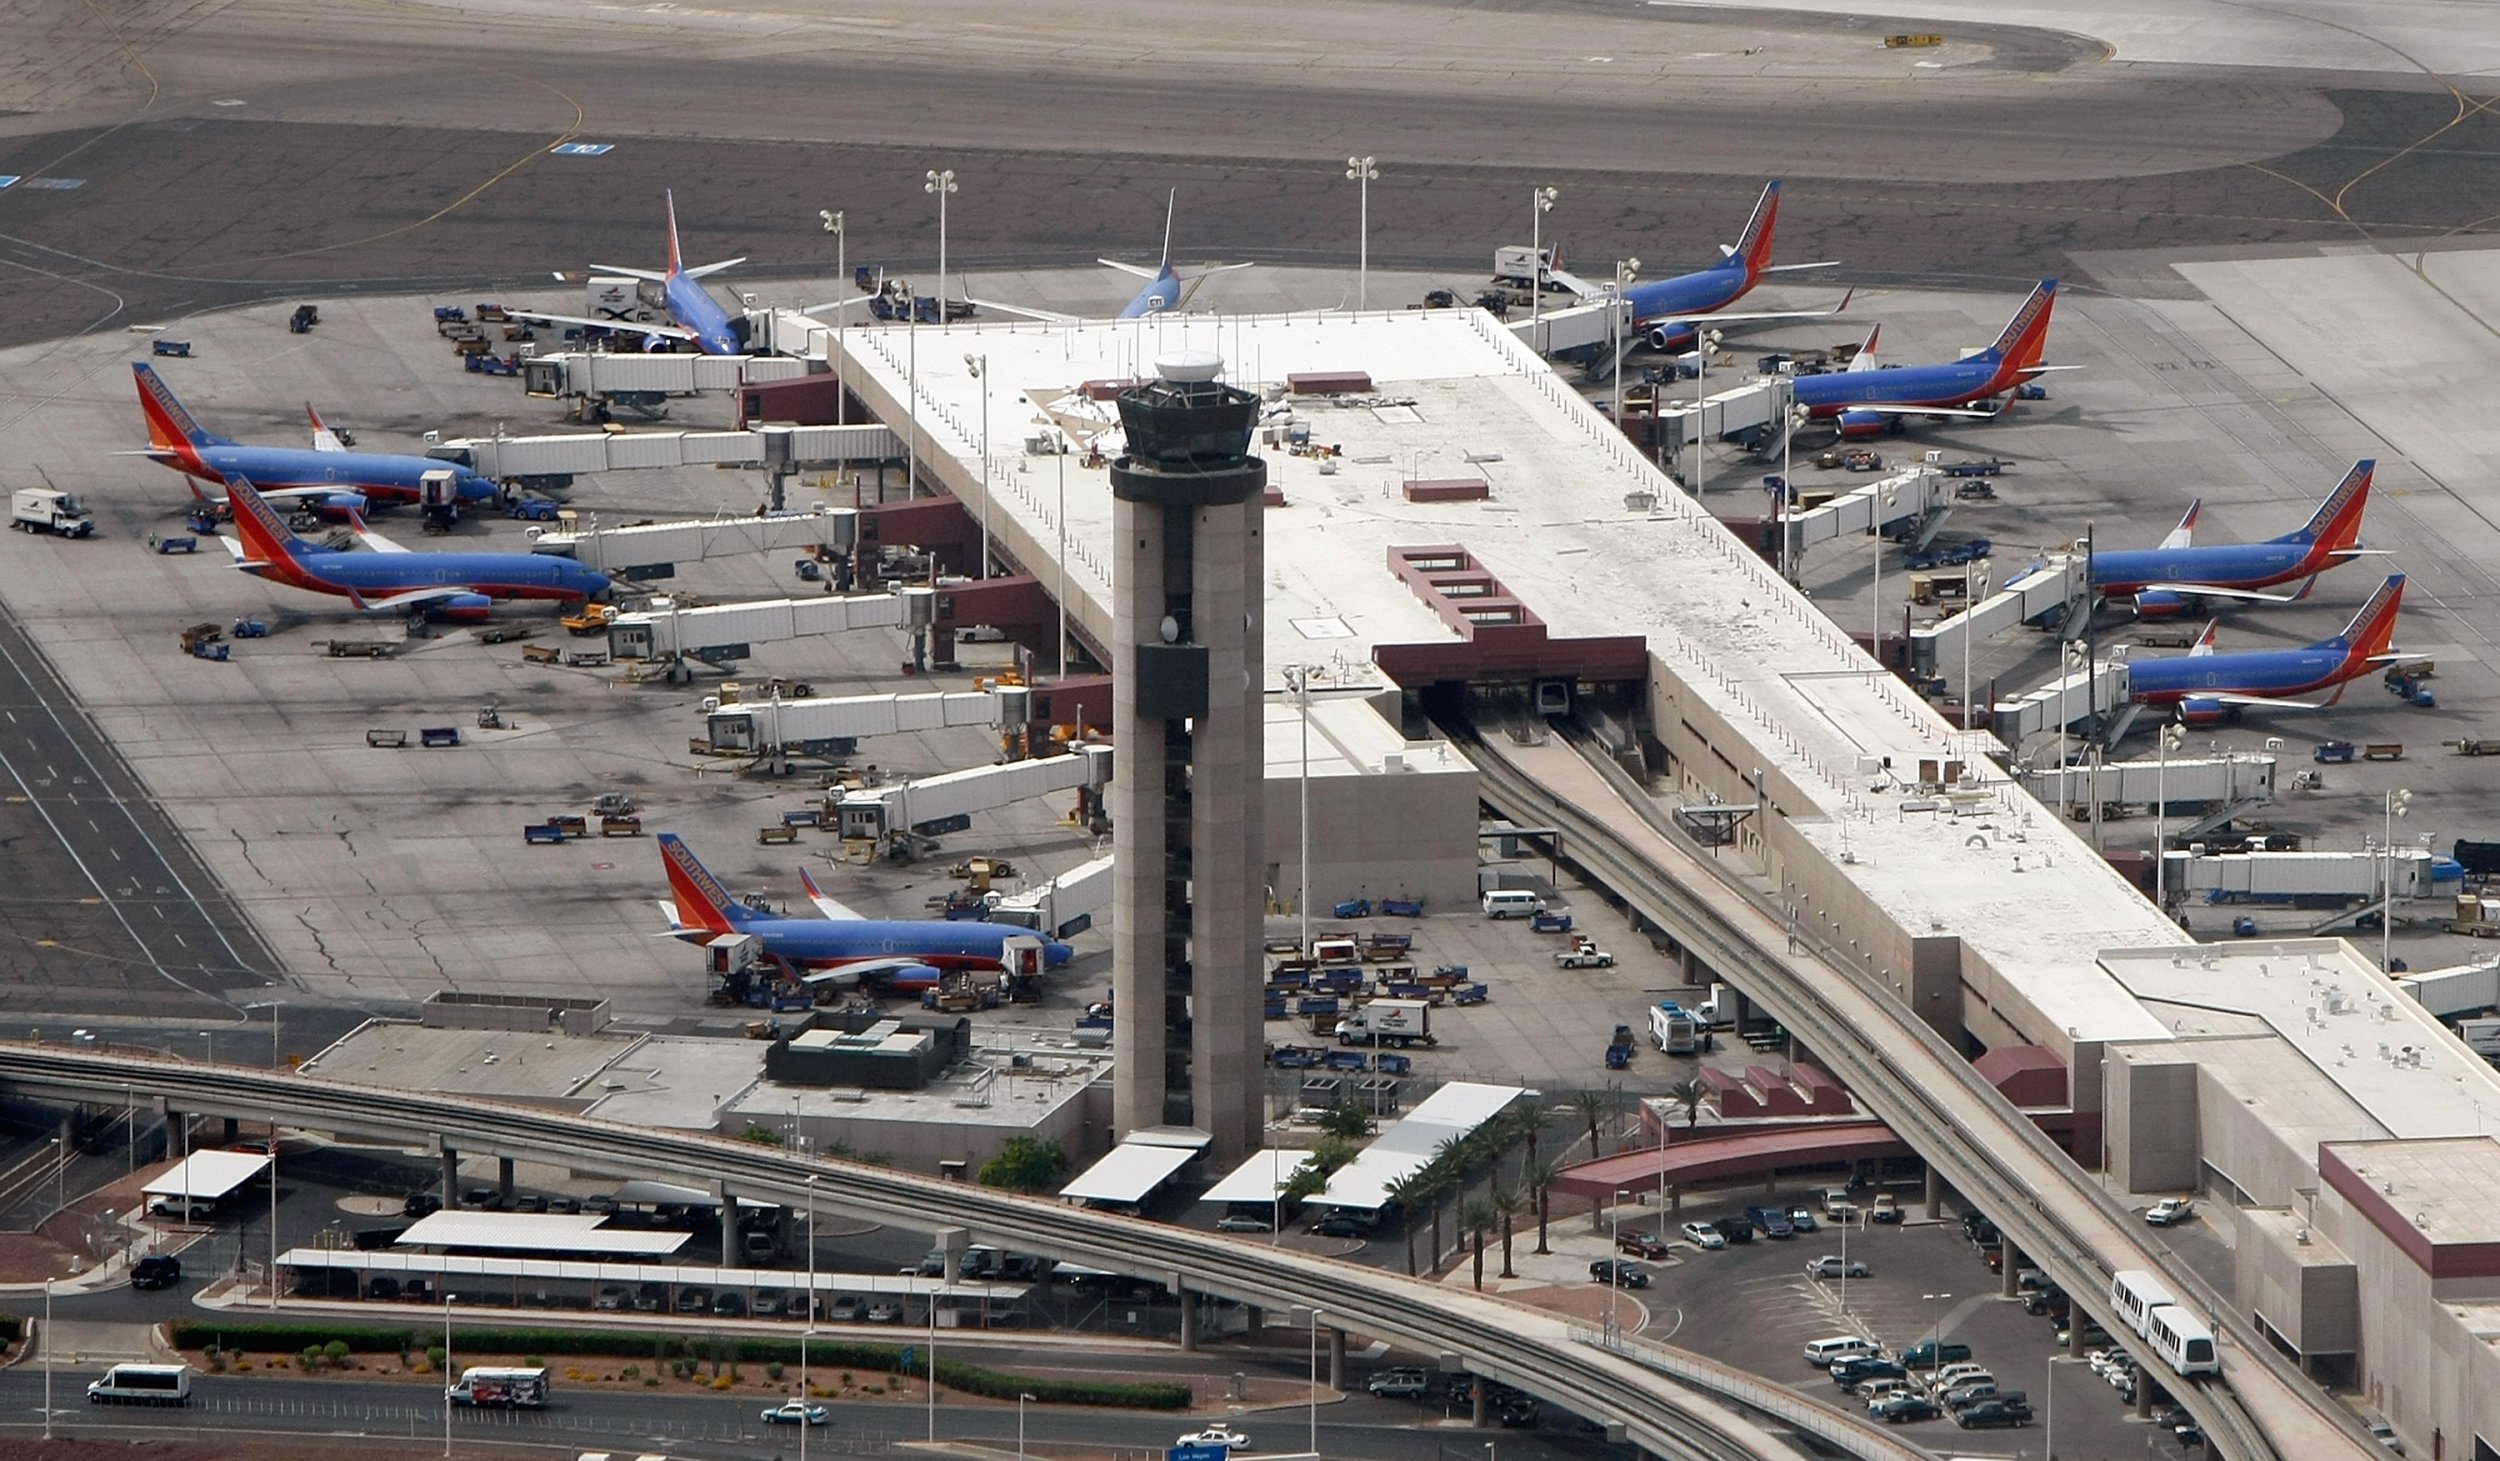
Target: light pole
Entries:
(211, 1037)
(1315, 1382)
(1972, 593)
(2173, 736)
(1360, 169)
(1704, 341)
(804, 1423)
(1792, 416)
(2394, 806)
(1021, 1398)
(1626, 270)
(1883, 500)
(47, 1361)
(933, 1298)
(273, 1216)
(447, 1368)
(1299, 676)
(1935, 1335)
(979, 365)
(941, 183)
(1061, 457)
(277, 1061)
(1541, 202)
(1614, 1276)
(60, 1173)
(833, 218)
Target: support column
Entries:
(451, 1177)
(1189, 1322)
(2074, 1333)
(1935, 1195)
(2012, 1260)
(1336, 1359)
(2144, 1395)
(234, 1132)
(1254, 1321)
(1480, 1410)
(503, 1178)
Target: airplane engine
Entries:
(338, 505)
(463, 609)
(1674, 336)
(1862, 425)
(2206, 710)
(911, 978)
(2155, 603)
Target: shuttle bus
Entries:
(142, 1385)
(2183, 1341)
(2135, 1294)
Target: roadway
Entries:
(1907, 1076)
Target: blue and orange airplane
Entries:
(454, 586)
(694, 314)
(2180, 574)
(328, 477)
(1671, 313)
(2209, 687)
(1863, 400)
(1163, 292)
(905, 955)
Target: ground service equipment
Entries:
(42, 510)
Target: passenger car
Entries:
(156, 1271)
(1643, 1245)
(1907, 1405)
(846, 1309)
(1831, 1266)
(1401, 1384)
(1703, 1235)
(884, 1311)
(2169, 1210)
(1990, 1413)
(1240, 1222)
(1218, 1434)
(1616, 1271)
(796, 1412)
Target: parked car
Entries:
(1930, 1354)
(1735, 1229)
(420, 1204)
(1840, 1349)
(1830, 1265)
(613, 1298)
(1242, 1222)
(1771, 1221)
(1619, 1273)
(529, 1202)
(693, 1299)
(380, 1286)
(1881, 1386)
(1703, 1235)
(1517, 1411)
(2385, 1435)
(1801, 1217)
(1962, 1397)
(1907, 1406)
(1643, 1245)
(1401, 1384)
(847, 1309)
(1989, 1413)
(2169, 1210)
(1342, 1224)
(156, 1271)
(183, 1209)
(563, 1205)
(884, 1311)
(482, 1197)
(600, 1203)
(1849, 1374)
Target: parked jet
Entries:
(2207, 686)
(1163, 292)
(1862, 400)
(2180, 574)
(326, 477)
(904, 955)
(1671, 313)
(694, 314)
(458, 586)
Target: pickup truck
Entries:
(1584, 954)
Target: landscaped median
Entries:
(654, 1361)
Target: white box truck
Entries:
(142, 1385)
(42, 510)
(501, 1388)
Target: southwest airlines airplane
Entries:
(1670, 313)
(1862, 400)
(457, 586)
(2208, 687)
(905, 955)
(1162, 294)
(328, 478)
(2180, 574)
(696, 316)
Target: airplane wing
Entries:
(370, 538)
(412, 598)
(828, 906)
(842, 978)
(1966, 413)
(622, 327)
(1793, 268)
(1024, 311)
(2211, 591)
(2261, 702)
(1140, 270)
(836, 306)
(1726, 317)
(323, 438)
(2397, 658)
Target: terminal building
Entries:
(1457, 536)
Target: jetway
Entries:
(1755, 403)
(600, 373)
(829, 726)
(2062, 701)
(2286, 877)
(766, 448)
(1063, 907)
(2052, 586)
(721, 632)
(934, 805)
(650, 550)
(2190, 783)
(1574, 327)
(1919, 492)
(2459, 989)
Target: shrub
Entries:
(775, 1370)
(723, 1382)
(335, 1351)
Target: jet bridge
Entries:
(830, 726)
(2050, 587)
(2070, 698)
(652, 550)
(2300, 877)
(934, 805)
(602, 373)
(721, 633)
(1720, 415)
(1918, 493)
(779, 449)
(1063, 907)
(2192, 785)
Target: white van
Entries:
(142, 1385)
(1512, 903)
(1825, 1353)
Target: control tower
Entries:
(1187, 716)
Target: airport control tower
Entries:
(1187, 716)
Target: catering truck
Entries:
(42, 510)
(500, 1388)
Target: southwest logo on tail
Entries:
(701, 900)
(2182, 575)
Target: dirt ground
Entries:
(245, 1448)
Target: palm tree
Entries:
(1438, 1181)
(1476, 1219)
(1592, 1106)
(1541, 1177)
(1507, 1205)
(1530, 1122)
(1689, 1093)
(1406, 1192)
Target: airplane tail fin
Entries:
(676, 259)
(2184, 535)
(2337, 522)
(263, 534)
(1865, 358)
(1754, 244)
(170, 427)
(2205, 642)
(2373, 629)
(2025, 337)
(1171, 207)
(702, 902)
